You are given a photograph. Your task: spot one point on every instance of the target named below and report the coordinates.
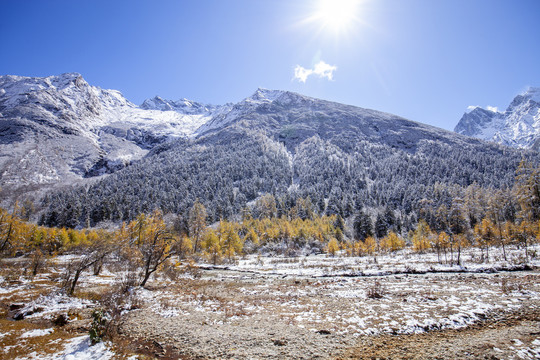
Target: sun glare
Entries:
(337, 15)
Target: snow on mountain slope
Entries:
(60, 129)
(232, 113)
(518, 126)
(291, 118)
(184, 115)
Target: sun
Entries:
(336, 15)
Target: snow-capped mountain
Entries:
(60, 129)
(183, 106)
(518, 126)
(246, 106)
(339, 156)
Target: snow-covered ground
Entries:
(77, 348)
(399, 293)
(417, 293)
(401, 262)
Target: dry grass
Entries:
(14, 346)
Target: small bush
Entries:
(100, 322)
(192, 269)
(10, 272)
(376, 291)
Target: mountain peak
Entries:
(66, 79)
(518, 126)
(182, 106)
(532, 93)
(262, 95)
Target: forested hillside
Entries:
(344, 159)
(228, 171)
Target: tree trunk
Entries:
(97, 267)
(74, 282)
(146, 277)
(501, 241)
(147, 271)
(8, 236)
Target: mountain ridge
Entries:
(110, 160)
(69, 130)
(517, 126)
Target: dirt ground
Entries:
(230, 314)
(304, 319)
(514, 335)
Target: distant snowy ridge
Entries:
(518, 126)
(59, 129)
(246, 106)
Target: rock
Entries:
(16, 306)
(19, 316)
(324, 332)
(22, 313)
(61, 320)
(279, 342)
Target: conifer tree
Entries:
(362, 226)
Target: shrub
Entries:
(376, 291)
(100, 322)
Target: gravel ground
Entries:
(226, 316)
(515, 335)
(246, 338)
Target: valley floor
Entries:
(316, 307)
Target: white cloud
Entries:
(321, 69)
(492, 108)
(301, 74)
(472, 107)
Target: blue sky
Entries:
(425, 60)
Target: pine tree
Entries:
(266, 207)
(362, 226)
(381, 227)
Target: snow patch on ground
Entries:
(78, 348)
(401, 262)
(37, 332)
(54, 303)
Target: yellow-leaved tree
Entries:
(212, 247)
(230, 242)
(421, 238)
(485, 236)
(443, 242)
(333, 247)
(369, 246)
(153, 241)
(392, 242)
